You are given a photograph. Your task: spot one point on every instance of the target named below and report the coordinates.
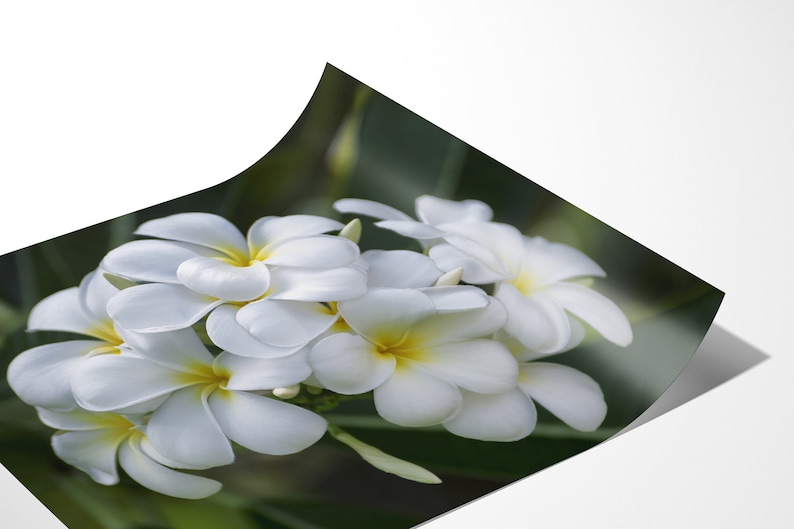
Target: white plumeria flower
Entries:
(274, 279)
(94, 442)
(415, 357)
(206, 400)
(41, 375)
(570, 395)
(534, 278)
(537, 284)
(433, 213)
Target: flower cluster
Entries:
(201, 337)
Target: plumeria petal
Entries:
(524, 354)
(400, 269)
(320, 251)
(263, 373)
(411, 228)
(550, 262)
(412, 397)
(594, 309)
(508, 416)
(149, 451)
(115, 382)
(226, 332)
(159, 307)
(477, 271)
(572, 396)
(350, 365)
(456, 326)
(369, 208)
(266, 425)
(184, 429)
(151, 260)
(180, 350)
(95, 291)
(204, 229)
(269, 230)
(457, 298)
(538, 322)
(92, 451)
(41, 376)
(434, 210)
(159, 478)
(62, 311)
(283, 323)
(79, 419)
(491, 240)
(484, 366)
(386, 314)
(312, 284)
(224, 280)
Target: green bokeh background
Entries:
(353, 142)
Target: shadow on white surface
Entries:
(720, 357)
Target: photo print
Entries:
(374, 324)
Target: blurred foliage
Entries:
(352, 141)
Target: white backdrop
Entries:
(672, 121)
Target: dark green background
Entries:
(353, 142)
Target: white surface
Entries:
(672, 121)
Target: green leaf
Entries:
(383, 461)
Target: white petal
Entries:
(506, 416)
(180, 350)
(114, 382)
(411, 228)
(92, 451)
(567, 393)
(538, 322)
(149, 451)
(504, 243)
(95, 291)
(263, 373)
(594, 309)
(269, 230)
(204, 229)
(484, 366)
(184, 429)
(478, 269)
(283, 323)
(458, 326)
(549, 262)
(523, 354)
(313, 284)
(158, 307)
(321, 251)
(400, 269)
(226, 332)
(80, 419)
(266, 425)
(159, 478)
(411, 397)
(41, 376)
(369, 208)
(434, 210)
(62, 311)
(457, 298)
(577, 334)
(384, 315)
(350, 365)
(150, 260)
(223, 280)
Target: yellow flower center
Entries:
(523, 283)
